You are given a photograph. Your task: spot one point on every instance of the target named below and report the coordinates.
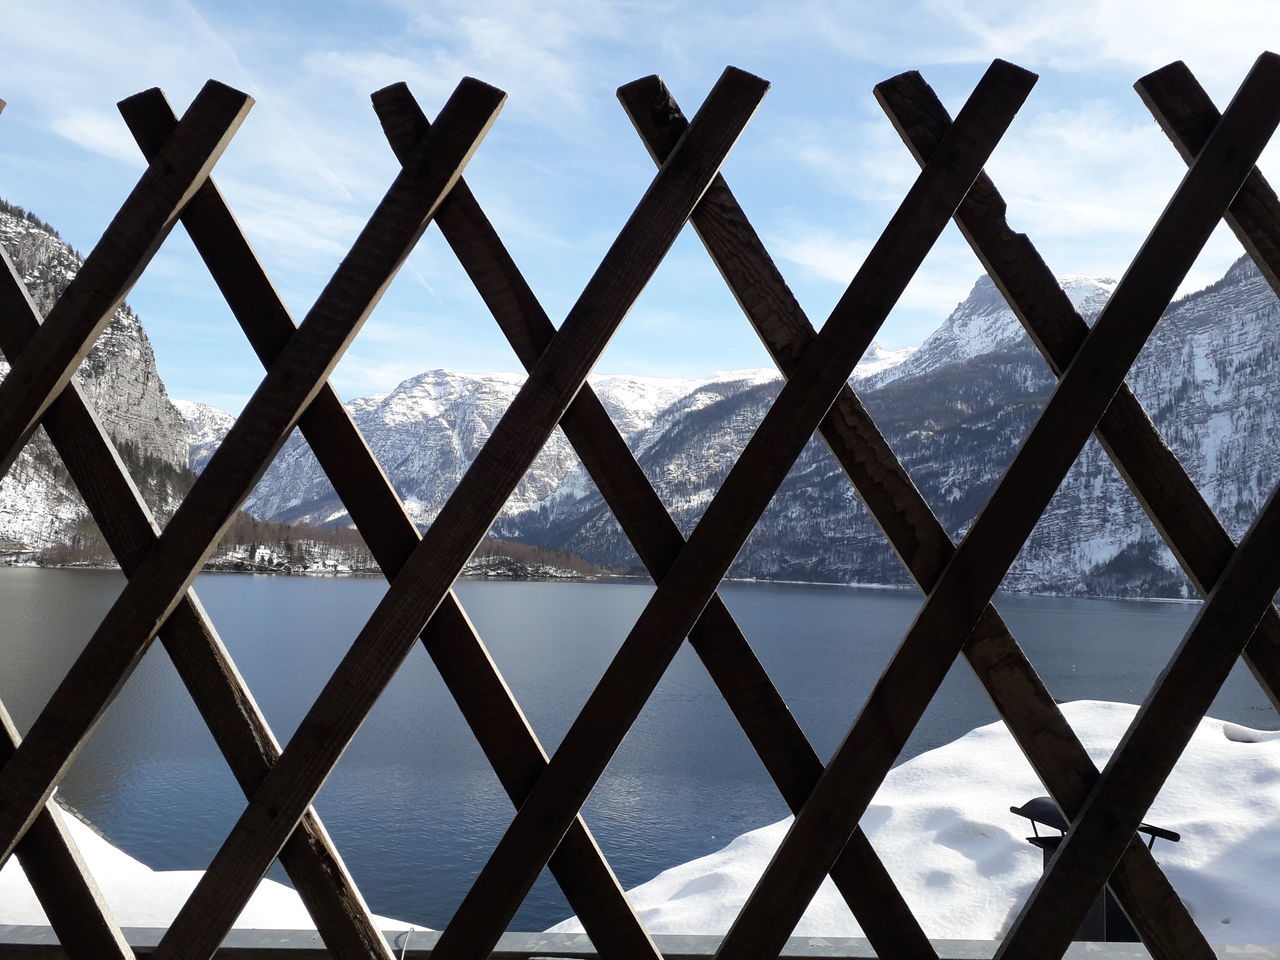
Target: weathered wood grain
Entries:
(1187, 115)
(425, 580)
(202, 662)
(61, 881)
(126, 247)
(591, 887)
(693, 577)
(910, 525)
(1151, 746)
(983, 557)
(166, 572)
(1159, 481)
(764, 716)
(1168, 717)
(1125, 432)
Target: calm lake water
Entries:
(413, 806)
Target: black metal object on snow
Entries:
(1105, 921)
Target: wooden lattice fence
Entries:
(958, 580)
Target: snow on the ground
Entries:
(942, 825)
(940, 822)
(141, 897)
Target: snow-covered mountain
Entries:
(206, 426)
(38, 504)
(955, 410)
(428, 429)
(983, 323)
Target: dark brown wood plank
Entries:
(980, 561)
(1164, 724)
(165, 574)
(424, 582)
(693, 578)
(1125, 431)
(1152, 745)
(794, 766)
(591, 887)
(61, 881)
(1159, 481)
(910, 525)
(126, 247)
(1187, 115)
(194, 647)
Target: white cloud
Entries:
(1131, 36)
(820, 170)
(101, 133)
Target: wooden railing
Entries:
(958, 580)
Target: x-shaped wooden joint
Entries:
(163, 575)
(983, 557)
(698, 569)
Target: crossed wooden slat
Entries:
(429, 572)
(500, 727)
(716, 638)
(693, 577)
(52, 864)
(193, 645)
(981, 560)
(1235, 619)
(738, 93)
(552, 799)
(51, 861)
(1155, 475)
(74, 707)
(1002, 667)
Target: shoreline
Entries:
(598, 578)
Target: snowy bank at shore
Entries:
(940, 822)
(942, 825)
(141, 897)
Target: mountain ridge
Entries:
(955, 410)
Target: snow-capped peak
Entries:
(983, 323)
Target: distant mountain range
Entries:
(954, 410)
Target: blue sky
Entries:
(819, 170)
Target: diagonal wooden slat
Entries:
(866, 886)
(590, 885)
(1135, 773)
(1187, 116)
(999, 663)
(421, 586)
(127, 245)
(166, 573)
(1152, 745)
(49, 857)
(1125, 432)
(194, 647)
(692, 579)
(981, 560)
(61, 881)
(1159, 481)
(1243, 595)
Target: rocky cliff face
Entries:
(38, 504)
(428, 430)
(205, 427)
(956, 411)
